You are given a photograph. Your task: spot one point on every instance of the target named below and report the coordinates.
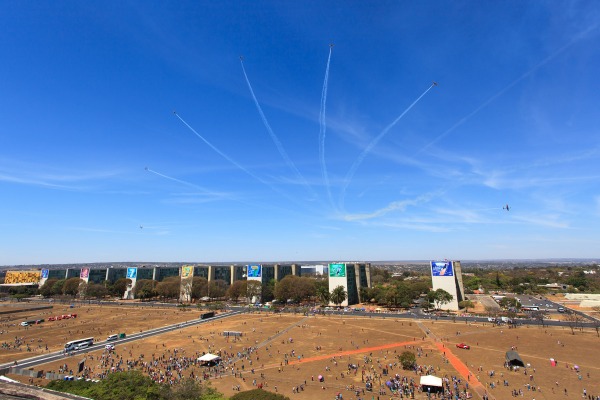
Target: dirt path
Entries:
(460, 367)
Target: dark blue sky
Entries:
(384, 167)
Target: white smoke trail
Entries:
(176, 180)
(372, 144)
(232, 161)
(225, 156)
(539, 65)
(274, 137)
(323, 130)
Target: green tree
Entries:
(46, 289)
(217, 288)
(169, 287)
(294, 288)
(96, 291)
(466, 304)
(338, 295)
(118, 288)
(322, 291)
(237, 290)
(57, 288)
(439, 297)
(509, 302)
(254, 290)
(268, 291)
(71, 286)
(189, 389)
(199, 287)
(407, 359)
(145, 288)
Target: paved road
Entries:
(419, 315)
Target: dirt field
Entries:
(91, 321)
(292, 351)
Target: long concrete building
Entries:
(227, 273)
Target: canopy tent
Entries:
(513, 358)
(430, 380)
(209, 358)
(431, 384)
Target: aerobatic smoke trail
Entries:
(274, 137)
(176, 180)
(373, 143)
(225, 156)
(323, 130)
(539, 65)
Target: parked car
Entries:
(463, 346)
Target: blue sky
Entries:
(296, 152)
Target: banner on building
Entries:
(337, 270)
(187, 279)
(13, 277)
(442, 268)
(131, 273)
(254, 271)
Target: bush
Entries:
(258, 394)
(407, 359)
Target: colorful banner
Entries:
(441, 268)
(187, 272)
(131, 273)
(84, 274)
(45, 273)
(254, 271)
(337, 270)
(23, 277)
(187, 279)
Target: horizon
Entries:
(237, 131)
(313, 262)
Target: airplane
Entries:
(331, 45)
(146, 168)
(141, 227)
(435, 83)
(241, 58)
(506, 207)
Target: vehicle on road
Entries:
(112, 337)
(78, 344)
(463, 346)
(109, 347)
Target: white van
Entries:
(112, 337)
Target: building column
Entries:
(357, 279)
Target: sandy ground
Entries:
(91, 321)
(325, 345)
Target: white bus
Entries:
(79, 344)
(530, 308)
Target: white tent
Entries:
(208, 358)
(430, 380)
